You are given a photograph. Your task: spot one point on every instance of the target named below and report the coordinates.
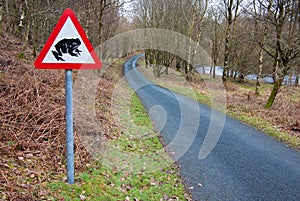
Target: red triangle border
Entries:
(66, 14)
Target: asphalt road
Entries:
(245, 163)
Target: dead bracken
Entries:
(32, 121)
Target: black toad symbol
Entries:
(65, 46)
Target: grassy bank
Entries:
(146, 172)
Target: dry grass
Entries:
(281, 121)
(284, 115)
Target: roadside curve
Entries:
(244, 165)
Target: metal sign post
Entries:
(69, 126)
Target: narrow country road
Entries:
(244, 165)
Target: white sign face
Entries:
(68, 47)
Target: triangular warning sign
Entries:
(68, 47)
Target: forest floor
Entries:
(282, 121)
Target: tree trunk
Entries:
(178, 63)
(227, 43)
(259, 73)
(1, 15)
(100, 31)
(276, 87)
(28, 25)
(7, 16)
(261, 41)
(232, 12)
(278, 59)
(291, 79)
(147, 58)
(199, 31)
(88, 18)
(226, 57)
(215, 48)
(35, 35)
(214, 71)
(20, 26)
(188, 69)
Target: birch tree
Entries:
(195, 23)
(231, 13)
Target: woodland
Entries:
(242, 36)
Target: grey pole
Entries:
(69, 127)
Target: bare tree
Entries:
(158, 14)
(231, 14)
(164, 14)
(195, 22)
(217, 39)
(101, 9)
(284, 44)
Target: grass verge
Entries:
(143, 175)
(265, 127)
(256, 122)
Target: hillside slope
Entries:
(32, 125)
